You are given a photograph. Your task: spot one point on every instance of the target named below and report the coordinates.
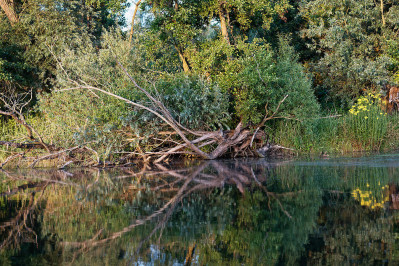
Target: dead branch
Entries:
(266, 118)
(239, 139)
(17, 145)
(10, 158)
(15, 106)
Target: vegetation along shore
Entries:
(204, 79)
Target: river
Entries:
(228, 212)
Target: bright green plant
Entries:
(367, 122)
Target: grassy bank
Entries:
(332, 135)
(365, 127)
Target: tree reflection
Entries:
(213, 212)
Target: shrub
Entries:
(261, 79)
(195, 102)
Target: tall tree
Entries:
(8, 7)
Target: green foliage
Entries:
(248, 14)
(44, 29)
(310, 136)
(259, 80)
(115, 6)
(352, 44)
(241, 75)
(85, 116)
(195, 102)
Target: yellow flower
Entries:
(365, 117)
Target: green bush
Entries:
(195, 102)
(260, 79)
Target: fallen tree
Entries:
(243, 141)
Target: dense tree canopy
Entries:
(354, 41)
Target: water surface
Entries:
(233, 212)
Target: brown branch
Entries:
(51, 156)
(10, 158)
(17, 145)
(19, 121)
(158, 103)
(134, 16)
(267, 118)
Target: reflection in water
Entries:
(370, 199)
(215, 212)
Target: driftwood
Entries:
(17, 145)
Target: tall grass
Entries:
(367, 123)
(312, 135)
(366, 127)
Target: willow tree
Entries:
(354, 41)
(33, 30)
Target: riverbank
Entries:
(324, 137)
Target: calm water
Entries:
(333, 211)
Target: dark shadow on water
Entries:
(233, 212)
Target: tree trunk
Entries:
(9, 8)
(382, 13)
(186, 66)
(134, 16)
(176, 5)
(223, 23)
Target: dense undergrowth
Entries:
(373, 130)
